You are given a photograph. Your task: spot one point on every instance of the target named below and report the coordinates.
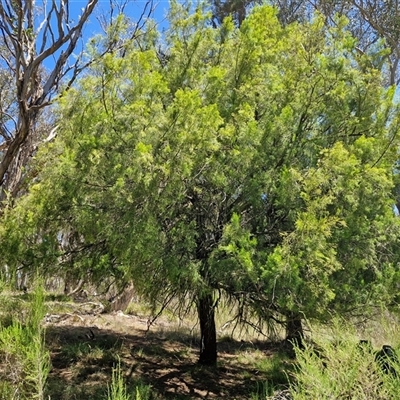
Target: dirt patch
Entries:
(85, 348)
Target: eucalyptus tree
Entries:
(27, 44)
(253, 161)
(41, 55)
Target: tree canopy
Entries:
(374, 23)
(256, 161)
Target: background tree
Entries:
(24, 55)
(375, 24)
(35, 38)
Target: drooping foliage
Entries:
(256, 161)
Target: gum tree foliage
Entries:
(253, 161)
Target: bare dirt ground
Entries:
(86, 347)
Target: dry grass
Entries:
(164, 357)
(86, 345)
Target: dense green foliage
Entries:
(258, 161)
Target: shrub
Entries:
(337, 366)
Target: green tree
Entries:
(322, 102)
(333, 133)
(373, 22)
(255, 161)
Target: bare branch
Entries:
(28, 43)
(34, 92)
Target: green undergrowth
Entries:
(26, 360)
(156, 365)
(118, 389)
(336, 365)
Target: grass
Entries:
(115, 357)
(336, 366)
(26, 361)
(166, 362)
(118, 389)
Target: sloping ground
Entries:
(85, 347)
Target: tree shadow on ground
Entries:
(83, 358)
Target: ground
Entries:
(85, 346)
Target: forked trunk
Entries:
(208, 333)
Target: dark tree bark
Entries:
(294, 328)
(209, 234)
(208, 333)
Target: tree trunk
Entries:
(294, 329)
(70, 292)
(208, 333)
(123, 299)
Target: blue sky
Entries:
(133, 10)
